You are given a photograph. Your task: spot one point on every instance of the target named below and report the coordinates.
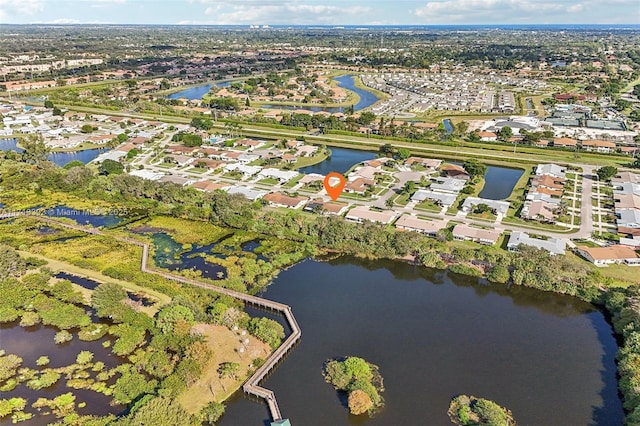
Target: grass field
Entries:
(225, 344)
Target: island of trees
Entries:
(467, 410)
(361, 381)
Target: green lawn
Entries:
(293, 182)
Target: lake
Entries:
(197, 92)
(341, 160)
(95, 217)
(59, 158)
(499, 182)
(548, 358)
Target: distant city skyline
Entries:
(320, 12)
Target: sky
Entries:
(320, 12)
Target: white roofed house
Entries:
(247, 171)
(552, 170)
(500, 207)
(363, 213)
(442, 198)
(553, 245)
(247, 158)
(628, 218)
(281, 175)
(251, 194)
(478, 235)
(412, 223)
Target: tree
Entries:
(505, 133)
(170, 315)
(35, 151)
(73, 163)
(212, 412)
(86, 128)
(403, 154)
(229, 369)
(111, 167)
(605, 173)
(107, 299)
(409, 187)
(48, 104)
(159, 411)
(474, 168)
(499, 274)
(267, 330)
(462, 127)
(359, 402)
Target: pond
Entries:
(95, 217)
(171, 255)
(59, 158)
(32, 342)
(548, 358)
(499, 182)
(197, 92)
(341, 160)
(448, 125)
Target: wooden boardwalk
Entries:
(251, 386)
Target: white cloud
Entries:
(12, 8)
(279, 12)
(494, 11)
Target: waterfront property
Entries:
(362, 213)
(412, 223)
(478, 235)
(554, 246)
(617, 253)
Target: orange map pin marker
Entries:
(333, 188)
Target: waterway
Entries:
(548, 358)
(341, 160)
(59, 158)
(197, 92)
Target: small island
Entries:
(361, 381)
(467, 410)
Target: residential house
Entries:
(363, 213)
(554, 246)
(443, 199)
(247, 171)
(482, 236)
(455, 172)
(539, 210)
(278, 199)
(359, 186)
(552, 170)
(180, 160)
(617, 253)
(250, 144)
(488, 136)
(412, 223)
(500, 207)
(429, 163)
(178, 180)
(326, 207)
(598, 145)
(208, 186)
(281, 175)
(628, 218)
(250, 194)
(565, 143)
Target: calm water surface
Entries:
(499, 182)
(197, 92)
(548, 358)
(341, 160)
(59, 158)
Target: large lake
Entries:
(548, 358)
(59, 158)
